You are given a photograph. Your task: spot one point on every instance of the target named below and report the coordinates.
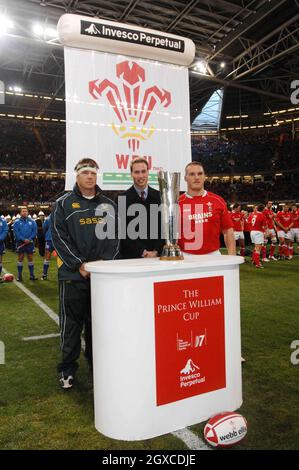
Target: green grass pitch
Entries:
(36, 414)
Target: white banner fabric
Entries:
(119, 108)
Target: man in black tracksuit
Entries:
(148, 245)
(76, 218)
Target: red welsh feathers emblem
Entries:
(132, 106)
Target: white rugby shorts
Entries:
(271, 234)
(295, 234)
(257, 237)
(239, 235)
(283, 234)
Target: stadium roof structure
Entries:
(249, 48)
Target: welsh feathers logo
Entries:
(132, 106)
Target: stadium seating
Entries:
(248, 153)
(41, 146)
(28, 145)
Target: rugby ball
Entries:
(225, 429)
(8, 277)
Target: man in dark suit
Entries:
(148, 244)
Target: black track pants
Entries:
(74, 314)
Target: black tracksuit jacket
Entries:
(73, 227)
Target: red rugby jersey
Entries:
(270, 217)
(257, 221)
(202, 220)
(285, 218)
(238, 221)
(295, 219)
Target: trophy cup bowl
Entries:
(169, 186)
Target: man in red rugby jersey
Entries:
(258, 223)
(204, 216)
(294, 229)
(284, 223)
(238, 220)
(271, 231)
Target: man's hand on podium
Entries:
(149, 254)
(83, 272)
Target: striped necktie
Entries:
(143, 196)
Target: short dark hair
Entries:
(260, 207)
(138, 160)
(236, 205)
(196, 164)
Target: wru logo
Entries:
(131, 105)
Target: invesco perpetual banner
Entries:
(105, 31)
(120, 107)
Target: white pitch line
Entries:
(191, 440)
(43, 306)
(39, 302)
(33, 338)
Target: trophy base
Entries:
(171, 253)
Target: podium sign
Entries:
(189, 337)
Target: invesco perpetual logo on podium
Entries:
(169, 185)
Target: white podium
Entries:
(166, 343)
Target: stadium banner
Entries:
(97, 34)
(119, 107)
(190, 338)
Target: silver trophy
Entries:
(169, 185)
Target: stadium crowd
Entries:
(41, 146)
(29, 189)
(28, 145)
(247, 153)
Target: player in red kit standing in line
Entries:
(258, 224)
(238, 220)
(271, 232)
(284, 222)
(294, 229)
(204, 216)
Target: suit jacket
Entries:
(134, 248)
